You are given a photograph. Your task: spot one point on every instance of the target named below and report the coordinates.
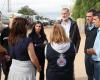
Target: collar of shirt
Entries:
(98, 29)
(65, 22)
(91, 27)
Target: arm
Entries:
(32, 56)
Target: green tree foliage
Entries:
(82, 6)
(27, 11)
(97, 6)
(77, 9)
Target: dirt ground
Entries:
(79, 60)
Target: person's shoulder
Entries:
(73, 21)
(5, 30)
(26, 40)
(30, 34)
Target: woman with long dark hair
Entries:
(39, 40)
(22, 52)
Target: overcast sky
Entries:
(48, 8)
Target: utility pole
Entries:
(8, 2)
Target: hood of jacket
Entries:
(61, 47)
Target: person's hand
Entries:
(90, 51)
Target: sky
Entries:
(47, 8)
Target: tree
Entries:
(27, 11)
(97, 6)
(82, 6)
(76, 10)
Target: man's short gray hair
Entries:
(65, 9)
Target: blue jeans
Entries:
(89, 66)
(97, 70)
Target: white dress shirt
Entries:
(66, 26)
(96, 47)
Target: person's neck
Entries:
(90, 23)
(38, 34)
(65, 21)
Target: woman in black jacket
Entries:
(60, 55)
(39, 39)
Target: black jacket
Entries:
(4, 37)
(54, 70)
(90, 37)
(74, 34)
(39, 46)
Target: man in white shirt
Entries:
(70, 27)
(95, 51)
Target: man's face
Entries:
(89, 17)
(65, 15)
(96, 21)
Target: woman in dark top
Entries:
(39, 40)
(22, 52)
(60, 54)
(6, 62)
